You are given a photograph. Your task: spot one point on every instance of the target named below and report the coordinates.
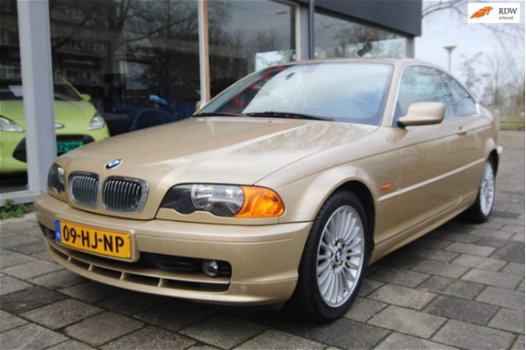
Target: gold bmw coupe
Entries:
(284, 186)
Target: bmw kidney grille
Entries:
(122, 194)
(83, 189)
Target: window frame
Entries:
(469, 95)
(393, 122)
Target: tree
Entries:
(432, 7)
(497, 75)
(473, 80)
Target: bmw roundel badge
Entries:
(112, 164)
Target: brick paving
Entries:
(461, 286)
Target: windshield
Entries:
(14, 91)
(348, 92)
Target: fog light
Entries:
(210, 268)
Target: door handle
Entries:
(461, 131)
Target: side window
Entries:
(421, 84)
(462, 103)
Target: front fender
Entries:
(303, 198)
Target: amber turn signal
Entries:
(260, 203)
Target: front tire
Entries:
(481, 210)
(334, 259)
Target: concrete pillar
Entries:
(37, 81)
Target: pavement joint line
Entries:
(438, 330)
(60, 330)
(515, 338)
(518, 284)
(213, 345)
(214, 313)
(257, 335)
(500, 329)
(424, 281)
(10, 329)
(382, 339)
(517, 288)
(492, 316)
(63, 329)
(119, 337)
(376, 313)
(312, 339)
(412, 335)
(426, 306)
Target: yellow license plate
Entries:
(90, 239)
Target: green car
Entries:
(77, 123)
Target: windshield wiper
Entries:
(218, 114)
(274, 114)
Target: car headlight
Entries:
(224, 200)
(7, 124)
(56, 179)
(96, 122)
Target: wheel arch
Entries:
(304, 198)
(494, 156)
(307, 296)
(366, 198)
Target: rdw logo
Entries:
(482, 12)
(494, 12)
(508, 11)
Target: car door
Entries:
(474, 130)
(431, 156)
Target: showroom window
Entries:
(136, 62)
(13, 167)
(335, 37)
(246, 36)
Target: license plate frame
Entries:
(67, 146)
(89, 239)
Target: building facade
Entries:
(132, 55)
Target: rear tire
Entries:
(334, 259)
(481, 210)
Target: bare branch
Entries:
(438, 6)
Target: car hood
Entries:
(65, 111)
(232, 150)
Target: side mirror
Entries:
(423, 113)
(85, 97)
(198, 105)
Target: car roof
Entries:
(393, 61)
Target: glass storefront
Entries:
(335, 37)
(124, 65)
(13, 168)
(246, 36)
(136, 60)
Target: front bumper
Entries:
(264, 259)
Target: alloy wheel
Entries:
(487, 189)
(340, 256)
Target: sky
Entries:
(447, 28)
